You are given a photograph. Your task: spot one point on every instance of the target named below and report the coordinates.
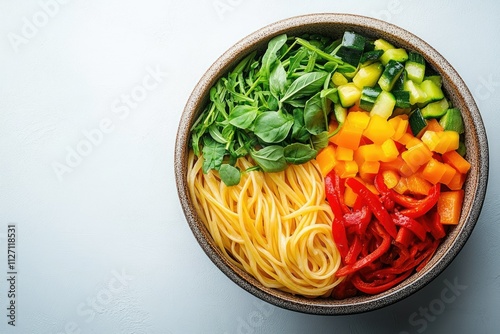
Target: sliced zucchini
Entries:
(453, 121)
(384, 105)
(436, 79)
(340, 113)
(352, 48)
(368, 75)
(415, 67)
(435, 109)
(382, 44)
(349, 94)
(432, 91)
(417, 95)
(368, 97)
(402, 98)
(371, 56)
(391, 73)
(417, 123)
(398, 55)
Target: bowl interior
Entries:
(455, 89)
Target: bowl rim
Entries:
(476, 182)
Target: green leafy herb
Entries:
(272, 106)
(230, 175)
(298, 153)
(270, 158)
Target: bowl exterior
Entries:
(455, 88)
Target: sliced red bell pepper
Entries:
(425, 204)
(405, 236)
(374, 204)
(377, 287)
(359, 218)
(368, 259)
(354, 250)
(338, 228)
(402, 220)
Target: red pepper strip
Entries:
(339, 186)
(368, 259)
(359, 218)
(374, 288)
(344, 290)
(426, 204)
(338, 228)
(434, 224)
(354, 250)
(427, 255)
(404, 237)
(411, 224)
(374, 204)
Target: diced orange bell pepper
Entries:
(457, 181)
(369, 167)
(402, 186)
(433, 125)
(359, 119)
(418, 185)
(449, 206)
(417, 156)
(433, 171)
(348, 136)
(457, 161)
(326, 159)
(400, 125)
(349, 197)
(449, 173)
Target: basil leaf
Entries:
(271, 56)
(230, 175)
(213, 154)
(320, 140)
(273, 126)
(299, 131)
(298, 153)
(308, 83)
(314, 117)
(242, 116)
(277, 80)
(271, 158)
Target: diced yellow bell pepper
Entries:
(389, 149)
(378, 130)
(358, 119)
(369, 152)
(344, 153)
(369, 167)
(349, 197)
(346, 169)
(400, 126)
(391, 178)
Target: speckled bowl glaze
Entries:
(457, 92)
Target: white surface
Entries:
(105, 248)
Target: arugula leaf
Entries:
(273, 126)
(213, 154)
(230, 175)
(308, 83)
(298, 153)
(270, 158)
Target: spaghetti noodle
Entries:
(275, 226)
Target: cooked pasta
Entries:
(275, 226)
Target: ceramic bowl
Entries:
(456, 91)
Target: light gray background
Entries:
(103, 246)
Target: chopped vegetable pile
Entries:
(389, 144)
